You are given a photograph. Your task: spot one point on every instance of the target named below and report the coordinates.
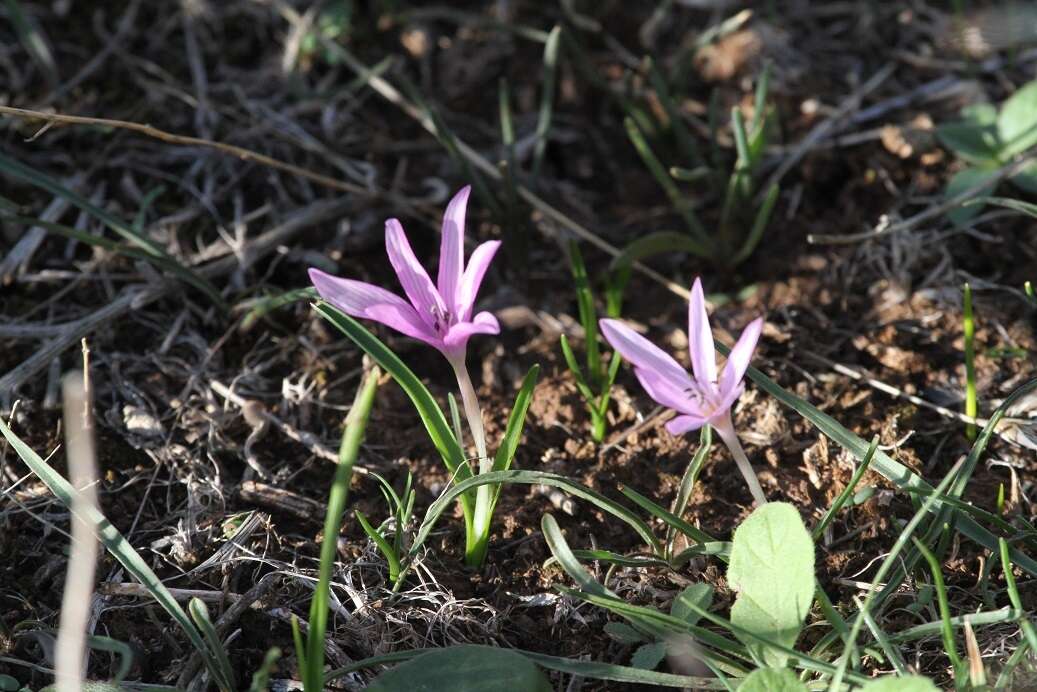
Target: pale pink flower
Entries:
(704, 397)
(439, 314)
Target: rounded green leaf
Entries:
(1017, 121)
(961, 181)
(772, 680)
(908, 683)
(648, 656)
(690, 602)
(772, 569)
(467, 668)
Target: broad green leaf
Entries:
(623, 633)
(1026, 179)
(970, 142)
(772, 569)
(649, 656)
(909, 683)
(588, 669)
(980, 114)
(466, 668)
(657, 243)
(772, 680)
(961, 181)
(699, 595)
(1017, 121)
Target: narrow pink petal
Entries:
(360, 299)
(741, 354)
(451, 248)
(484, 323)
(405, 320)
(700, 338)
(413, 277)
(678, 395)
(683, 424)
(642, 353)
(478, 263)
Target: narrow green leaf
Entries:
(18, 170)
(200, 615)
(516, 422)
(261, 678)
(549, 78)
(114, 542)
(657, 243)
(437, 508)
(383, 545)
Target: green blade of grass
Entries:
(115, 543)
(829, 516)
(893, 471)
(656, 243)
(18, 170)
(547, 100)
(969, 331)
(352, 436)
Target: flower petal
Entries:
(700, 338)
(360, 299)
(683, 424)
(642, 353)
(478, 263)
(678, 395)
(738, 359)
(451, 248)
(413, 277)
(484, 323)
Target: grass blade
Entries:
(115, 543)
(550, 78)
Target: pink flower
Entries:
(704, 397)
(439, 314)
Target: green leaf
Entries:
(772, 569)
(699, 595)
(261, 678)
(18, 170)
(466, 668)
(657, 243)
(1017, 121)
(909, 683)
(115, 543)
(1026, 179)
(431, 415)
(971, 142)
(649, 656)
(200, 614)
(623, 633)
(961, 181)
(553, 480)
(513, 431)
(772, 680)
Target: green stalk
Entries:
(969, 328)
(356, 423)
(478, 534)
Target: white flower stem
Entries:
(726, 430)
(475, 550)
(471, 411)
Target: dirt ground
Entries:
(173, 449)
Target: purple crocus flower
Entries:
(704, 397)
(439, 314)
